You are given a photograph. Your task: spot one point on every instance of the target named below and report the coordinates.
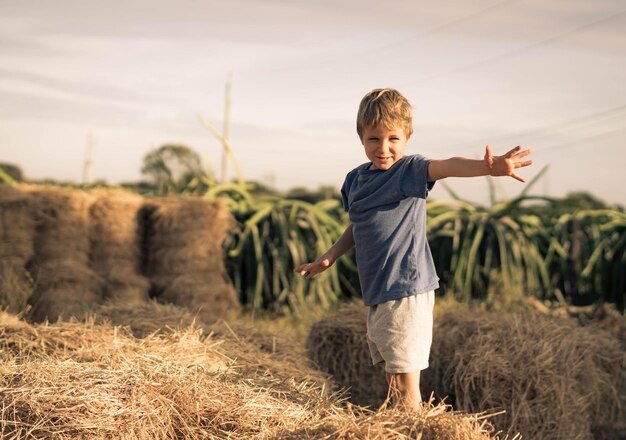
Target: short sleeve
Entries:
(344, 194)
(414, 178)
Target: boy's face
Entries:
(384, 147)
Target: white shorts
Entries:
(400, 332)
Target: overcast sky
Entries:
(135, 75)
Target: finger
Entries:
(325, 263)
(488, 156)
(302, 269)
(523, 164)
(312, 274)
(522, 154)
(512, 151)
(515, 176)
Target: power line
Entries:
(370, 50)
(446, 26)
(577, 142)
(544, 131)
(489, 61)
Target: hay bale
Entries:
(17, 227)
(185, 260)
(338, 344)
(239, 336)
(61, 254)
(114, 230)
(63, 301)
(146, 318)
(554, 378)
(16, 287)
(61, 222)
(185, 235)
(125, 286)
(207, 295)
(115, 252)
(17, 231)
(281, 351)
(65, 271)
(609, 317)
(64, 288)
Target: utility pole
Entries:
(226, 128)
(87, 163)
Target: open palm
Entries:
(506, 164)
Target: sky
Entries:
(119, 78)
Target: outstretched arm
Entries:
(341, 246)
(490, 165)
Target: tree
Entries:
(13, 171)
(171, 168)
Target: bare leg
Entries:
(404, 389)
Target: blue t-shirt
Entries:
(388, 213)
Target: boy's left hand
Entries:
(505, 165)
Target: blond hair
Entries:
(387, 107)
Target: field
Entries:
(154, 341)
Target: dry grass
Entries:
(96, 381)
(429, 422)
(145, 318)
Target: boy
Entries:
(386, 202)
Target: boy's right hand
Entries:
(309, 270)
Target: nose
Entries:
(384, 146)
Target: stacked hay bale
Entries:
(184, 257)
(116, 245)
(65, 285)
(17, 230)
(554, 378)
(338, 344)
